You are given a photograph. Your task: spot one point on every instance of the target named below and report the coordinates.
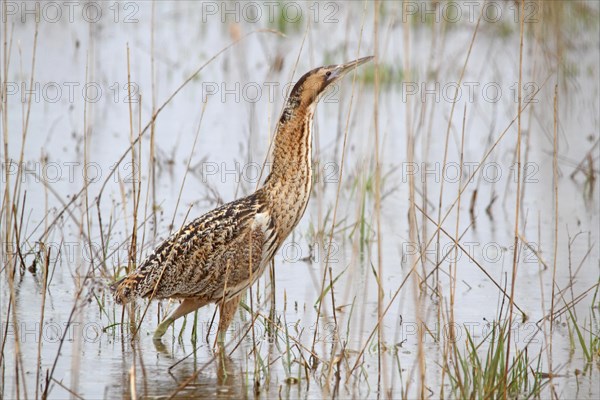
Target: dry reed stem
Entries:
(380, 364)
(555, 187)
(518, 196)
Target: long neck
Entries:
(289, 183)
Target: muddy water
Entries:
(81, 85)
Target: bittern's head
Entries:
(312, 84)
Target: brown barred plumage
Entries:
(218, 255)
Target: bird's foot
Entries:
(161, 329)
(161, 348)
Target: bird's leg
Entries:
(227, 309)
(186, 306)
(225, 368)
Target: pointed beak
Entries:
(337, 71)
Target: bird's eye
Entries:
(327, 74)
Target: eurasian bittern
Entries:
(216, 257)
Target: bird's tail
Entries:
(124, 289)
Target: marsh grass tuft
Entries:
(586, 336)
(479, 373)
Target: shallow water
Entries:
(244, 93)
